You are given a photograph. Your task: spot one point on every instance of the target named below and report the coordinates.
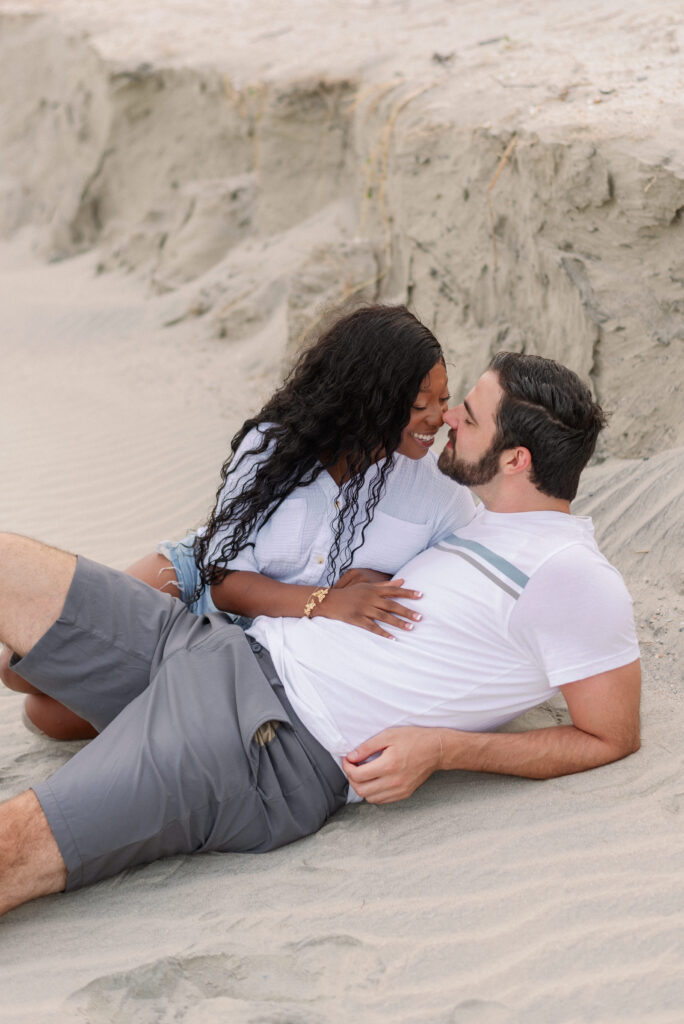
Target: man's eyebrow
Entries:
(469, 410)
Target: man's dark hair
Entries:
(547, 409)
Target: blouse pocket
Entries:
(280, 546)
(391, 542)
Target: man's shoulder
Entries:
(533, 536)
(523, 545)
(576, 575)
(580, 563)
(575, 613)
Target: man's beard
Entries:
(471, 474)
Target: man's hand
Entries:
(605, 714)
(404, 758)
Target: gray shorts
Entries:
(176, 768)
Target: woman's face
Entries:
(430, 403)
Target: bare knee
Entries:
(55, 720)
(157, 571)
(12, 679)
(30, 862)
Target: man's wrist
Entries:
(452, 749)
(439, 753)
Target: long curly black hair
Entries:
(348, 396)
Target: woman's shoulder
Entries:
(420, 484)
(430, 489)
(256, 432)
(425, 473)
(252, 441)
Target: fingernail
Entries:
(408, 625)
(418, 593)
(417, 616)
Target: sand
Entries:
(183, 189)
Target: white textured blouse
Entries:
(419, 507)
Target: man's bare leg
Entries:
(30, 862)
(34, 580)
(47, 714)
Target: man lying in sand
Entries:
(213, 740)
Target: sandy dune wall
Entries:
(308, 191)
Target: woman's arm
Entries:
(361, 604)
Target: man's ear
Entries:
(516, 460)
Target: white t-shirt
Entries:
(514, 606)
(419, 507)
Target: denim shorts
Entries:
(181, 555)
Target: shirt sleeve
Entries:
(245, 469)
(575, 617)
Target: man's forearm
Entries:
(604, 709)
(538, 754)
(408, 755)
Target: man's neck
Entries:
(525, 499)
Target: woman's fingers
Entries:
(378, 615)
(372, 626)
(388, 593)
(399, 609)
(395, 589)
(394, 614)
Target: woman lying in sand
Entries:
(313, 491)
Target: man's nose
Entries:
(451, 417)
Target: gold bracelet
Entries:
(317, 597)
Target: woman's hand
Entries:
(361, 576)
(368, 604)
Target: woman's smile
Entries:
(426, 440)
